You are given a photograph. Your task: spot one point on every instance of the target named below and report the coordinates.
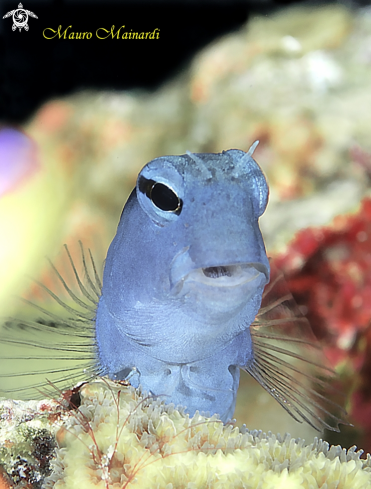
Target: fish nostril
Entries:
(216, 272)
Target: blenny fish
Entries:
(185, 303)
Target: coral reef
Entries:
(27, 441)
(110, 436)
(278, 79)
(328, 270)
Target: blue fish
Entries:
(180, 309)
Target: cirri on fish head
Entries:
(184, 278)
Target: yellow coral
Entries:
(117, 439)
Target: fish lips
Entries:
(219, 290)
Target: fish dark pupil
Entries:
(216, 272)
(164, 198)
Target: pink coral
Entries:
(328, 270)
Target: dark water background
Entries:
(33, 69)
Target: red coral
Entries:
(328, 271)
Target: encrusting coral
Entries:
(27, 441)
(328, 271)
(116, 438)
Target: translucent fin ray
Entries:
(99, 285)
(78, 327)
(55, 342)
(80, 284)
(288, 361)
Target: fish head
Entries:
(195, 242)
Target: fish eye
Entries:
(160, 197)
(165, 198)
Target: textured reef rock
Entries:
(109, 436)
(27, 441)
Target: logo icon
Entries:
(20, 17)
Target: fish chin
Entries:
(221, 291)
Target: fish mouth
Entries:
(227, 276)
(217, 291)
